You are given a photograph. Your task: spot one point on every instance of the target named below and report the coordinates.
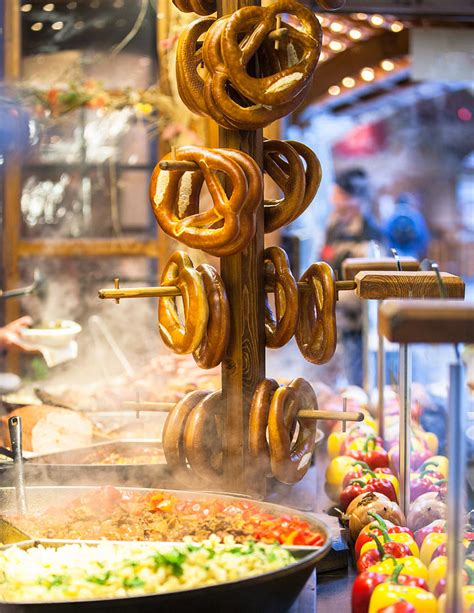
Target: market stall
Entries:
(213, 503)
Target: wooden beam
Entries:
(88, 247)
(12, 171)
(352, 60)
(244, 364)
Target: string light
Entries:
(367, 74)
(397, 26)
(361, 16)
(323, 57)
(58, 25)
(377, 20)
(348, 82)
(387, 65)
(336, 45)
(355, 34)
(26, 8)
(334, 90)
(48, 7)
(337, 26)
(37, 27)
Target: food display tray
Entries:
(272, 592)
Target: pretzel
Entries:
(283, 164)
(313, 173)
(183, 337)
(214, 230)
(214, 343)
(291, 462)
(203, 440)
(201, 7)
(258, 422)
(224, 104)
(316, 333)
(282, 86)
(173, 433)
(280, 329)
(188, 60)
(255, 194)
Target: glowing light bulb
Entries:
(48, 7)
(377, 20)
(355, 34)
(334, 90)
(323, 57)
(361, 16)
(348, 82)
(26, 8)
(387, 65)
(58, 25)
(337, 26)
(336, 45)
(37, 27)
(367, 74)
(397, 26)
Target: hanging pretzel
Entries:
(258, 22)
(248, 219)
(224, 103)
(280, 328)
(203, 441)
(290, 462)
(183, 337)
(258, 422)
(212, 230)
(201, 7)
(173, 436)
(313, 173)
(283, 164)
(316, 333)
(188, 62)
(214, 343)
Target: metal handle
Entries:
(16, 441)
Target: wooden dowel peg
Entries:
(117, 287)
(278, 34)
(166, 407)
(178, 165)
(138, 292)
(352, 266)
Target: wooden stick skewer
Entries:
(158, 292)
(167, 407)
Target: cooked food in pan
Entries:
(117, 570)
(148, 455)
(108, 513)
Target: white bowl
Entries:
(59, 336)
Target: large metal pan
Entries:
(269, 593)
(84, 466)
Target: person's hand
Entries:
(10, 335)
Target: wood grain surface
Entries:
(351, 266)
(244, 364)
(427, 321)
(383, 285)
(88, 247)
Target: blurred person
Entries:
(351, 230)
(406, 229)
(10, 335)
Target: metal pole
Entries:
(381, 379)
(365, 347)
(456, 487)
(404, 384)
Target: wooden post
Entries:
(12, 172)
(244, 364)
